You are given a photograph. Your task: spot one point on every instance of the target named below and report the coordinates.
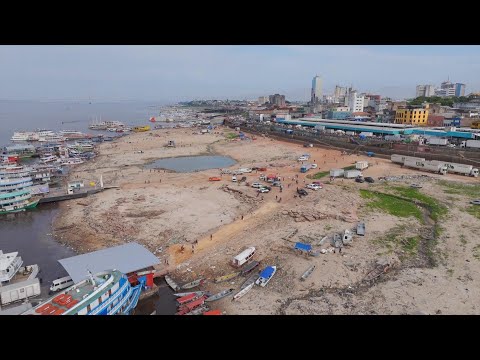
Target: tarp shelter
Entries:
(125, 258)
(303, 247)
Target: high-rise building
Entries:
(355, 102)
(425, 90)
(277, 100)
(339, 94)
(459, 89)
(316, 90)
(262, 100)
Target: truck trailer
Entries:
(426, 165)
(337, 172)
(352, 174)
(305, 168)
(463, 169)
(400, 159)
(475, 144)
(437, 141)
(360, 165)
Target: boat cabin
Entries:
(243, 257)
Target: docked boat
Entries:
(199, 293)
(243, 291)
(184, 309)
(105, 293)
(172, 283)
(141, 128)
(20, 150)
(187, 298)
(307, 273)
(9, 185)
(51, 138)
(250, 280)
(70, 161)
(226, 277)
(199, 310)
(266, 275)
(104, 125)
(48, 159)
(193, 284)
(73, 134)
(249, 267)
(220, 295)
(24, 136)
(11, 202)
(361, 229)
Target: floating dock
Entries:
(61, 197)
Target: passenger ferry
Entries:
(22, 151)
(73, 134)
(9, 185)
(70, 161)
(24, 136)
(51, 138)
(12, 202)
(104, 125)
(38, 175)
(48, 158)
(105, 293)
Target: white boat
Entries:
(72, 134)
(24, 136)
(307, 273)
(220, 295)
(193, 284)
(172, 283)
(70, 161)
(15, 184)
(51, 138)
(266, 275)
(243, 291)
(48, 158)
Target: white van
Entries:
(61, 283)
(234, 178)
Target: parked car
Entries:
(263, 177)
(359, 179)
(234, 178)
(302, 192)
(416, 186)
(263, 190)
(369, 179)
(277, 183)
(267, 187)
(257, 185)
(313, 166)
(302, 158)
(475, 202)
(318, 183)
(313, 187)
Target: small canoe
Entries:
(249, 267)
(198, 311)
(220, 295)
(199, 293)
(307, 273)
(214, 179)
(193, 284)
(243, 291)
(171, 283)
(213, 312)
(250, 280)
(226, 277)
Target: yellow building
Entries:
(412, 116)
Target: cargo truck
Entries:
(437, 141)
(400, 159)
(426, 165)
(305, 168)
(463, 169)
(471, 144)
(360, 165)
(352, 174)
(337, 172)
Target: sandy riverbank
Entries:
(165, 210)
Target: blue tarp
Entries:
(303, 247)
(267, 272)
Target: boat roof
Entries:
(6, 259)
(245, 253)
(126, 258)
(267, 272)
(302, 246)
(15, 193)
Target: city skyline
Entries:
(178, 73)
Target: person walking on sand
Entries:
(193, 248)
(211, 237)
(242, 217)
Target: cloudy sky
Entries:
(174, 73)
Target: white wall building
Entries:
(355, 102)
(262, 100)
(425, 90)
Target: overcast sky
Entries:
(175, 73)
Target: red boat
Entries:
(182, 310)
(186, 299)
(214, 179)
(152, 119)
(213, 312)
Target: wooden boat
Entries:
(220, 295)
(214, 179)
(187, 298)
(193, 284)
(227, 277)
(249, 267)
(184, 309)
(213, 312)
(171, 283)
(199, 293)
(307, 273)
(361, 228)
(199, 310)
(266, 275)
(243, 291)
(250, 280)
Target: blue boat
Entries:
(105, 293)
(266, 275)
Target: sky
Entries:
(176, 73)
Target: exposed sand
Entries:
(175, 209)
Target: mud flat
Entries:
(421, 252)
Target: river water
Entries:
(191, 163)
(30, 232)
